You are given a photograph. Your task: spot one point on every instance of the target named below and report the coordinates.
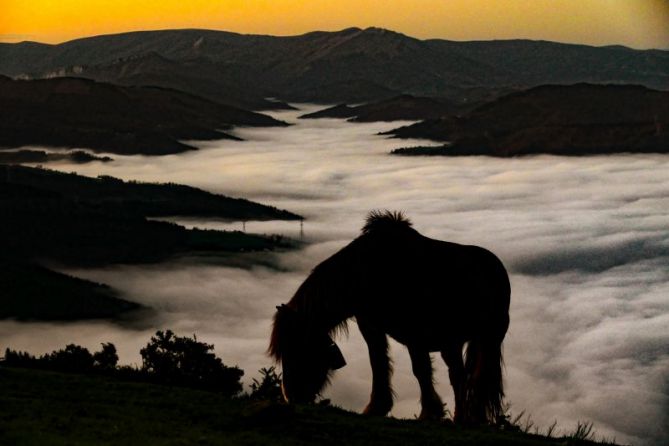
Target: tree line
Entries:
(167, 359)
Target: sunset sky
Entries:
(635, 23)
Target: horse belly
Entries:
(436, 294)
(434, 316)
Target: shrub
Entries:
(171, 359)
(107, 358)
(15, 358)
(73, 358)
(269, 386)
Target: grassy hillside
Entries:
(38, 408)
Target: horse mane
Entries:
(378, 220)
(314, 301)
(275, 349)
(310, 303)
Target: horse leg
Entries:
(381, 399)
(452, 355)
(431, 405)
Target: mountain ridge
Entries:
(317, 66)
(74, 112)
(579, 119)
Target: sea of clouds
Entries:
(586, 241)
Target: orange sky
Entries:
(635, 23)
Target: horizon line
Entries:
(327, 32)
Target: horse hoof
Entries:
(378, 411)
(432, 414)
(430, 417)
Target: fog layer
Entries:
(585, 240)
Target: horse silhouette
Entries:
(430, 295)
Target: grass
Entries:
(46, 408)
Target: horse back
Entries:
(421, 290)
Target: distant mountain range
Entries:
(579, 119)
(404, 107)
(71, 112)
(352, 65)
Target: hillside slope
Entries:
(72, 112)
(564, 120)
(49, 217)
(404, 107)
(49, 408)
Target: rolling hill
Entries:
(73, 112)
(404, 107)
(48, 216)
(579, 119)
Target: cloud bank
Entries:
(585, 241)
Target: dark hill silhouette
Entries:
(338, 111)
(83, 410)
(199, 76)
(31, 292)
(352, 65)
(49, 216)
(537, 62)
(567, 120)
(50, 221)
(404, 107)
(42, 156)
(72, 112)
(146, 199)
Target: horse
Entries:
(429, 295)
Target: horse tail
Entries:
(484, 386)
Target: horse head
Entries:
(307, 353)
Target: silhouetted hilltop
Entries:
(87, 410)
(199, 76)
(529, 63)
(48, 216)
(565, 120)
(404, 107)
(25, 156)
(145, 199)
(351, 65)
(32, 292)
(72, 112)
(337, 111)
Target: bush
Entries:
(166, 359)
(107, 358)
(171, 359)
(15, 358)
(269, 386)
(73, 358)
